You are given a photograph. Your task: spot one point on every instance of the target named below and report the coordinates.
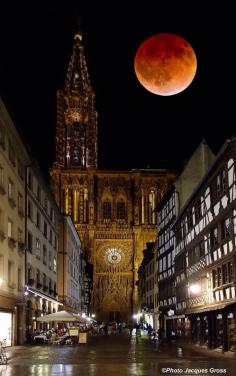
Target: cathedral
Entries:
(113, 211)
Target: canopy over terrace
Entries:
(62, 316)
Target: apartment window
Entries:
(55, 242)
(1, 177)
(10, 229)
(190, 220)
(225, 228)
(45, 229)
(38, 279)
(44, 281)
(21, 171)
(106, 210)
(50, 260)
(214, 237)
(30, 242)
(20, 236)
(30, 181)
(10, 189)
(1, 268)
(231, 272)
(50, 236)
(11, 153)
(39, 193)
(10, 273)
(1, 221)
(50, 285)
(38, 220)
(30, 276)
(221, 183)
(202, 248)
(219, 276)
(198, 211)
(225, 273)
(54, 264)
(46, 204)
(51, 213)
(44, 255)
(20, 203)
(19, 280)
(2, 136)
(30, 210)
(120, 210)
(38, 247)
(214, 279)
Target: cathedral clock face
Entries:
(113, 255)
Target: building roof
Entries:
(198, 187)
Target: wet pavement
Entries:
(116, 355)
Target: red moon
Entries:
(165, 64)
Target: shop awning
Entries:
(208, 308)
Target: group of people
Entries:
(111, 328)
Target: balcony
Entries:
(11, 242)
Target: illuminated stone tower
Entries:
(76, 136)
(113, 211)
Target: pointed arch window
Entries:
(120, 210)
(107, 209)
(151, 206)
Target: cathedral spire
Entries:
(76, 140)
(77, 77)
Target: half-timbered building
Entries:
(205, 263)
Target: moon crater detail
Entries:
(165, 64)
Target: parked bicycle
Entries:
(3, 355)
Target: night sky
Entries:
(136, 129)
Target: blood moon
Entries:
(165, 64)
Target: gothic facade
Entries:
(113, 211)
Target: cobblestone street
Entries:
(115, 355)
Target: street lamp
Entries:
(135, 317)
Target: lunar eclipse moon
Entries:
(165, 64)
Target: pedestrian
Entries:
(155, 340)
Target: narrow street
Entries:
(115, 355)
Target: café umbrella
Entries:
(62, 316)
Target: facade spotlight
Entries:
(195, 288)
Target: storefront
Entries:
(6, 327)
(215, 328)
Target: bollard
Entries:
(179, 352)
